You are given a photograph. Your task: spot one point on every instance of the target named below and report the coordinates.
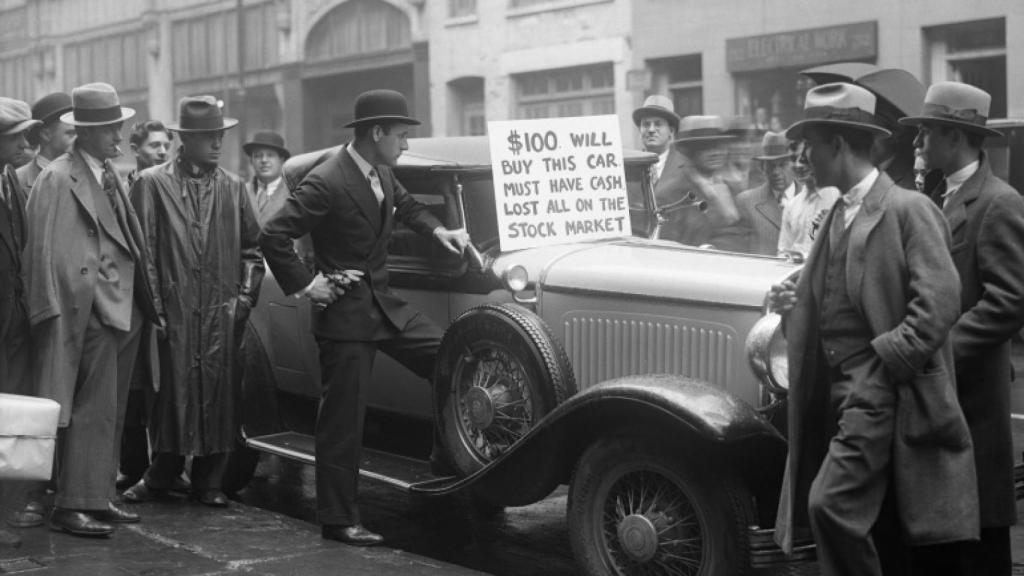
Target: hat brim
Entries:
(916, 121)
(385, 118)
(796, 130)
(642, 111)
(704, 139)
(21, 127)
(56, 115)
(229, 123)
(69, 118)
(248, 148)
(772, 158)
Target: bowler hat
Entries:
(201, 114)
(839, 104)
(381, 106)
(267, 139)
(96, 104)
(700, 129)
(660, 106)
(955, 104)
(774, 146)
(15, 116)
(51, 106)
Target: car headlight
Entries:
(516, 278)
(766, 352)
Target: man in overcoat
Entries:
(349, 205)
(872, 395)
(761, 208)
(87, 299)
(986, 219)
(52, 136)
(202, 233)
(15, 349)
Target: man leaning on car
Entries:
(873, 404)
(349, 204)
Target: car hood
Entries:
(650, 268)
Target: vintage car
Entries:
(645, 375)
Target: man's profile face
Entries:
(202, 147)
(12, 146)
(266, 163)
(154, 150)
(656, 133)
(801, 168)
(710, 157)
(779, 174)
(934, 145)
(390, 144)
(819, 154)
(103, 142)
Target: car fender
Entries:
(664, 408)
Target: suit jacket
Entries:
(11, 265)
(986, 219)
(760, 220)
(680, 222)
(62, 256)
(335, 205)
(901, 278)
(274, 202)
(28, 173)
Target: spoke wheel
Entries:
(640, 510)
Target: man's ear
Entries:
(44, 134)
(377, 132)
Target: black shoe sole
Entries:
(84, 534)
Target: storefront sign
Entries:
(558, 180)
(803, 47)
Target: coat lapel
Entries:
(358, 188)
(81, 180)
(769, 207)
(955, 210)
(7, 180)
(871, 212)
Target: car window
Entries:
(409, 250)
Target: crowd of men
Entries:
(898, 325)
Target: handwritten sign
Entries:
(558, 180)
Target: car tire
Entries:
(637, 506)
(500, 370)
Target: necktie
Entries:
(655, 174)
(4, 192)
(261, 197)
(110, 185)
(375, 185)
(835, 236)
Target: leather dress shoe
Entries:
(141, 492)
(214, 498)
(9, 539)
(355, 534)
(124, 482)
(78, 523)
(115, 515)
(27, 517)
(181, 484)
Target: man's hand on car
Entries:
(782, 297)
(454, 240)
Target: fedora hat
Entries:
(95, 104)
(15, 116)
(700, 129)
(381, 106)
(201, 114)
(660, 106)
(51, 107)
(774, 146)
(839, 104)
(955, 104)
(267, 139)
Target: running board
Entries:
(391, 469)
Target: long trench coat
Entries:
(901, 278)
(207, 269)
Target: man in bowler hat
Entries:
(201, 232)
(349, 205)
(15, 360)
(52, 136)
(872, 396)
(986, 219)
(267, 154)
(88, 296)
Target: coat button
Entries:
(84, 271)
(91, 232)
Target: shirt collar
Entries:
(95, 165)
(859, 190)
(957, 179)
(42, 161)
(364, 166)
(271, 187)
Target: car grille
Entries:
(603, 346)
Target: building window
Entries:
(466, 107)
(582, 91)
(461, 8)
(974, 53)
(680, 78)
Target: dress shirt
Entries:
(369, 172)
(802, 217)
(955, 180)
(95, 166)
(659, 166)
(855, 196)
(268, 188)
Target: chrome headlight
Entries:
(766, 352)
(516, 278)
